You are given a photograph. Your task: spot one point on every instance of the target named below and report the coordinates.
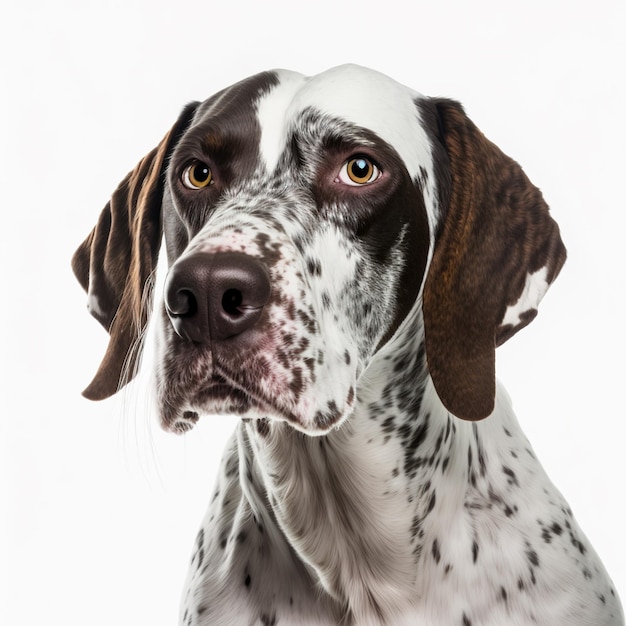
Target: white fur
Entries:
(534, 290)
(272, 113)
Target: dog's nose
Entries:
(211, 297)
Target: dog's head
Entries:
(304, 219)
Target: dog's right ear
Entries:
(116, 260)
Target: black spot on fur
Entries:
(419, 435)
(431, 503)
(509, 512)
(512, 478)
(404, 431)
(532, 557)
(326, 419)
(258, 524)
(415, 526)
(438, 445)
(263, 427)
(388, 425)
(314, 267)
(493, 496)
(466, 620)
(482, 462)
(436, 553)
(579, 545)
(472, 478)
(296, 383)
(412, 462)
(474, 551)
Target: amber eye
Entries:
(359, 170)
(197, 175)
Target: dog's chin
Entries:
(193, 383)
(215, 399)
(225, 399)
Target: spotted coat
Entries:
(378, 474)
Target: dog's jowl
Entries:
(343, 257)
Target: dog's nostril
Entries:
(182, 303)
(231, 301)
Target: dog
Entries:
(344, 255)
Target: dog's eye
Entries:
(197, 175)
(359, 170)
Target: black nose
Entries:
(210, 297)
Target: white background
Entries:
(100, 507)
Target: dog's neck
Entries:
(351, 502)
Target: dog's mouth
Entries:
(219, 393)
(263, 373)
(217, 397)
(248, 396)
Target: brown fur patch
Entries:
(497, 230)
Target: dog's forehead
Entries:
(360, 96)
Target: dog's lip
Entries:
(224, 386)
(215, 389)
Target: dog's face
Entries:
(303, 181)
(300, 216)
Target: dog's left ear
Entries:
(116, 260)
(495, 256)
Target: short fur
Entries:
(378, 475)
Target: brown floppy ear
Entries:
(116, 260)
(496, 254)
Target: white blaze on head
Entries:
(352, 93)
(272, 115)
(534, 290)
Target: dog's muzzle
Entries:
(212, 297)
